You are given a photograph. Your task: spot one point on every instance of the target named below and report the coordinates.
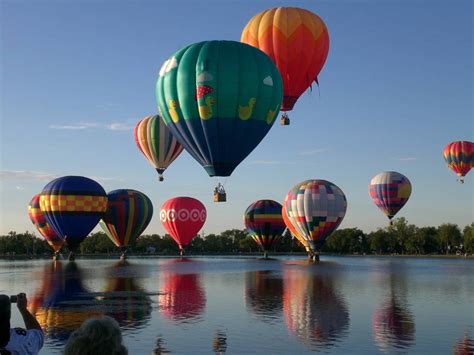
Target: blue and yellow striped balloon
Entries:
(128, 214)
(73, 205)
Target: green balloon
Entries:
(219, 99)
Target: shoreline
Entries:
(116, 256)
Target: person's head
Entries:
(5, 315)
(96, 336)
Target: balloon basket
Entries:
(284, 120)
(161, 178)
(219, 193)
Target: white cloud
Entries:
(117, 126)
(268, 81)
(406, 159)
(264, 162)
(38, 176)
(114, 126)
(314, 151)
(24, 175)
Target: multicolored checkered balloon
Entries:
(314, 208)
(390, 191)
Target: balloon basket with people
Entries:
(219, 193)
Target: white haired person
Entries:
(96, 336)
(19, 341)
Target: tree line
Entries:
(398, 238)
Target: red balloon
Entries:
(183, 217)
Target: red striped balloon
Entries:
(37, 218)
(460, 157)
(156, 143)
(264, 222)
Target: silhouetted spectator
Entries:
(19, 341)
(96, 336)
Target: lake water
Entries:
(241, 305)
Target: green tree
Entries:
(449, 237)
(402, 235)
(468, 238)
(347, 241)
(379, 241)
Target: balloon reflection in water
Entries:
(393, 324)
(219, 343)
(264, 294)
(160, 347)
(124, 299)
(183, 298)
(314, 310)
(464, 346)
(62, 303)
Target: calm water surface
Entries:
(215, 305)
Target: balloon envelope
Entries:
(264, 222)
(128, 214)
(156, 143)
(460, 157)
(315, 208)
(219, 99)
(296, 40)
(390, 191)
(37, 218)
(183, 217)
(73, 205)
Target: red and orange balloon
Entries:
(296, 40)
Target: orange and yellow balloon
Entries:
(460, 157)
(297, 41)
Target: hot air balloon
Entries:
(73, 205)
(219, 99)
(460, 157)
(48, 233)
(183, 217)
(297, 41)
(314, 208)
(128, 214)
(264, 223)
(390, 191)
(156, 143)
(294, 232)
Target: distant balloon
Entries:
(460, 157)
(219, 99)
(314, 208)
(264, 223)
(297, 41)
(390, 191)
(37, 218)
(156, 143)
(183, 217)
(128, 214)
(73, 205)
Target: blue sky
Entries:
(396, 88)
